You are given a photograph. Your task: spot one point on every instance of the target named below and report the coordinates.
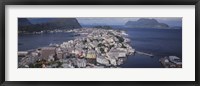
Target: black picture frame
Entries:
(98, 2)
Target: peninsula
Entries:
(94, 48)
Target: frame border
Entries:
(98, 2)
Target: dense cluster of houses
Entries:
(93, 48)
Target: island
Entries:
(146, 23)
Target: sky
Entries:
(171, 21)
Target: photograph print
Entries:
(100, 42)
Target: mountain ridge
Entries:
(146, 23)
(24, 24)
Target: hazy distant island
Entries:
(148, 23)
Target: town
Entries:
(92, 48)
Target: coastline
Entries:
(142, 44)
(106, 59)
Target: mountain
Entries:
(146, 23)
(59, 22)
(23, 22)
(39, 24)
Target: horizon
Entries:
(171, 21)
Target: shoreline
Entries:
(104, 57)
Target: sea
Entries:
(159, 42)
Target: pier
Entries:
(143, 53)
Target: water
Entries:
(33, 41)
(160, 42)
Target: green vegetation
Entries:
(84, 41)
(39, 63)
(85, 48)
(121, 39)
(102, 50)
(100, 45)
(111, 33)
(123, 46)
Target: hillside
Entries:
(47, 24)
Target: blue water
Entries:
(33, 41)
(160, 42)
